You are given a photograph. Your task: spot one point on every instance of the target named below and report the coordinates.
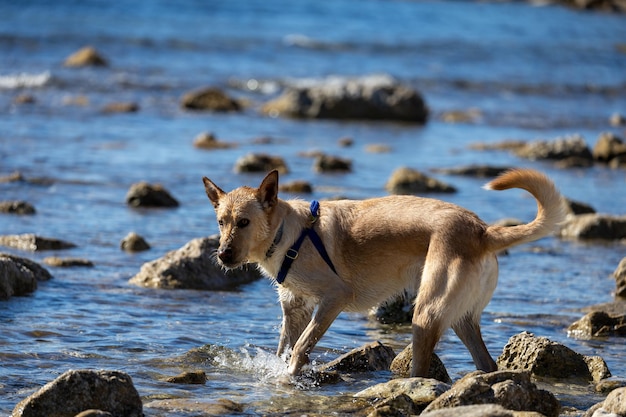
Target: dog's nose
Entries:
(225, 255)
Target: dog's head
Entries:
(243, 216)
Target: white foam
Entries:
(23, 79)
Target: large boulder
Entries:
(370, 98)
(32, 242)
(19, 276)
(403, 362)
(510, 389)
(594, 226)
(79, 390)
(542, 357)
(193, 267)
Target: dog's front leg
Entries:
(326, 313)
(297, 313)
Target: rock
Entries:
(260, 163)
(558, 149)
(94, 413)
(619, 162)
(369, 98)
(607, 147)
(143, 194)
(603, 5)
(78, 390)
(174, 406)
(543, 358)
(32, 242)
(620, 278)
(505, 145)
(134, 243)
(461, 116)
(192, 267)
(87, 56)
(19, 276)
(614, 405)
(399, 405)
(195, 377)
(617, 120)
(378, 148)
(298, 187)
(478, 171)
(594, 226)
(16, 207)
(207, 140)
(67, 262)
(212, 99)
(371, 357)
(327, 163)
(121, 107)
(598, 324)
(409, 181)
(24, 99)
(512, 390)
(481, 410)
(576, 207)
(421, 391)
(402, 363)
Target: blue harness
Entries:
(292, 253)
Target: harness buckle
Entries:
(291, 254)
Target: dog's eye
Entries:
(243, 223)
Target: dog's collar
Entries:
(277, 238)
(292, 253)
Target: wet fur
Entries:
(379, 247)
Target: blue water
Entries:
(534, 72)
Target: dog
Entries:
(354, 254)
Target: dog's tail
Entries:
(551, 209)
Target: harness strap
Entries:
(292, 252)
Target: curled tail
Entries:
(551, 209)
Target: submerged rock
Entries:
(544, 358)
(192, 267)
(19, 276)
(212, 99)
(370, 98)
(67, 262)
(87, 56)
(478, 171)
(143, 194)
(121, 107)
(16, 207)
(206, 140)
(260, 163)
(557, 149)
(410, 181)
(402, 364)
(133, 242)
(32, 242)
(594, 226)
(191, 377)
(328, 163)
(79, 390)
(510, 389)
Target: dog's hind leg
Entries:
(468, 330)
(297, 313)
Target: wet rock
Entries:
(399, 405)
(371, 357)
(298, 187)
(620, 278)
(78, 390)
(482, 410)
(207, 140)
(174, 406)
(87, 56)
(133, 242)
(143, 194)
(402, 363)
(24, 99)
(598, 324)
(541, 357)
(32, 242)
(260, 163)
(576, 207)
(594, 226)
(512, 390)
(619, 162)
(121, 107)
(614, 405)
(421, 391)
(94, 413)
(19, 276)
(607, 147)
(212, 99)
(192, 267)
(618, 6)
(370, 98)
(557, 149)
(328, 163)
(409, 181)
(608, 385)
(67, 262)
(192, 377)
(505, 145)
(16, 207)
(478, 171)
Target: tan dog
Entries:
(379, 247)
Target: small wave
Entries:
(24, 80)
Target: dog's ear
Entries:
(267, 193)
(213, 191)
